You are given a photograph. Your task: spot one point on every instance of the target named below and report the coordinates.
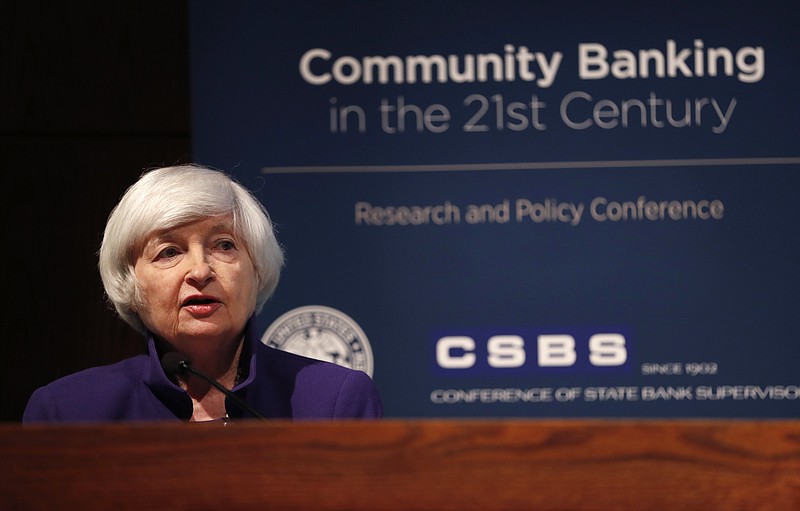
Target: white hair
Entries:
(172, 196)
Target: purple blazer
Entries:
(277, 384)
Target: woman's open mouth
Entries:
(201, 305)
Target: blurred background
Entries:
(91, 95)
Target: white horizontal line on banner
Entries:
(701, 162)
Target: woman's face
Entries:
(196, 282)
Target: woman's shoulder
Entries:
(81, 392)
(110, 374)
(321, 389)
(289, 362)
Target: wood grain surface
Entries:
(415, 465)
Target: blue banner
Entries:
(535, 209)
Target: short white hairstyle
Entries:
(166, 198)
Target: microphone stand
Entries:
(178, 364)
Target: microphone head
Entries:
(175, 363)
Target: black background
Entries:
(91, 95)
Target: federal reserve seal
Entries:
(322, 333)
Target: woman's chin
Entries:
(206, 330)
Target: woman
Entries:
(188, 258)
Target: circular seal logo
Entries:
(322, 333)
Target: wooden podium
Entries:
(413, 465)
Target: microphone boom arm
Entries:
(176, 363)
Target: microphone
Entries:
(175, 363)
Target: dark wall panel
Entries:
(90, 97)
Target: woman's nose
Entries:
(200, 271)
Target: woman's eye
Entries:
(168, 253)
(226, 245)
